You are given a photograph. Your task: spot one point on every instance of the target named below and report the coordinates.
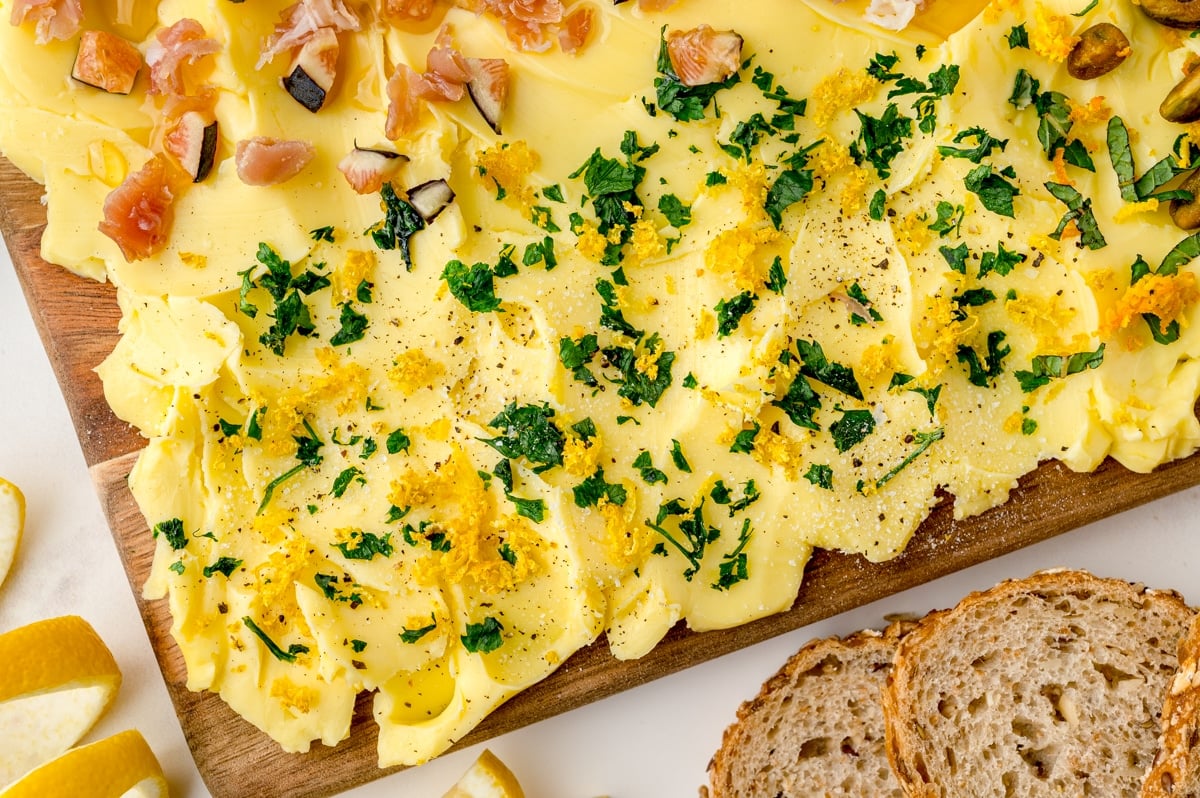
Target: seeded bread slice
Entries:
(1176, 769)
(816, 726)
(1051, 685)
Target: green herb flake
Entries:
(984, 374)
(223, 565)
(743, 442)
(533, 509)
(677, 457)
(589, 492)
(397, 441)
(731, 311)
(293, 651)
(399, 224)
(851, 429)
(347, 477)
(483, 638)
(528, 431)
(1045, 368)
(172, 531)
(734, 566)
(1018, 37)
(411, 636)
(645, 466)
(993, 188)
(820, 475)
(877, 206)
(365, 545)
(678, 214)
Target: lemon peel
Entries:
(121, 765)
(12, 522)
(487, 777)
(57, 678)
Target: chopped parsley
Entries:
(1045, 368)
(881, 139)
(949, 219)
(776, 276)
(527, 431)
(731, 311)
(856, 293)
(589, 492)
(817, 366)
(399, 224)
(923, 441)
(791, 186)
(533, 509)
(293, 651)
(820, 475)
(734, 566)
(397, 441)
(576, 355)
(1002, 261)
(677, 457)
(878, 205)
(473, 286)
(414, 635)
(1018, 37)
(645, 466)
(851, 429)
(347, 477)
(678, 214)
(365, 545)
(322, 233)
(636, 385)
(743, 442)
(223, 565)
(694, 533)
(984, 374)
(482, 638)
(172, 531)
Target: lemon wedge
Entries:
(121, 765)
(12, 521)
(488, 777)
(56, 679)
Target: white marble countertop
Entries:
(652, 741)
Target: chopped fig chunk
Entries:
(314, 70)
(702, 55)
(488, 88)
(366, 170)
(106, 61)
(431, 198)
(192, 142)
(266, 161)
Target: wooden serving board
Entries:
(77, 320)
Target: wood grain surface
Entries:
(77, 320)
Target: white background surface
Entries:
(652, 741)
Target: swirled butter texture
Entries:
(642, 365)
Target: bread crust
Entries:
(908, 729)
(1175, 772)
(741, 738)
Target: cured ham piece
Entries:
(411, 10)
(138, 213)
(702, 55)
(540, 11)
(405, 90)
(266, 161)
(576, 27)
(55, 19)
(298, 22)
(172, 51)
(449, 75)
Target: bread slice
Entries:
(1176, 769)
(816, 726)
(1051, 685)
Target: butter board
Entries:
(77, 320)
